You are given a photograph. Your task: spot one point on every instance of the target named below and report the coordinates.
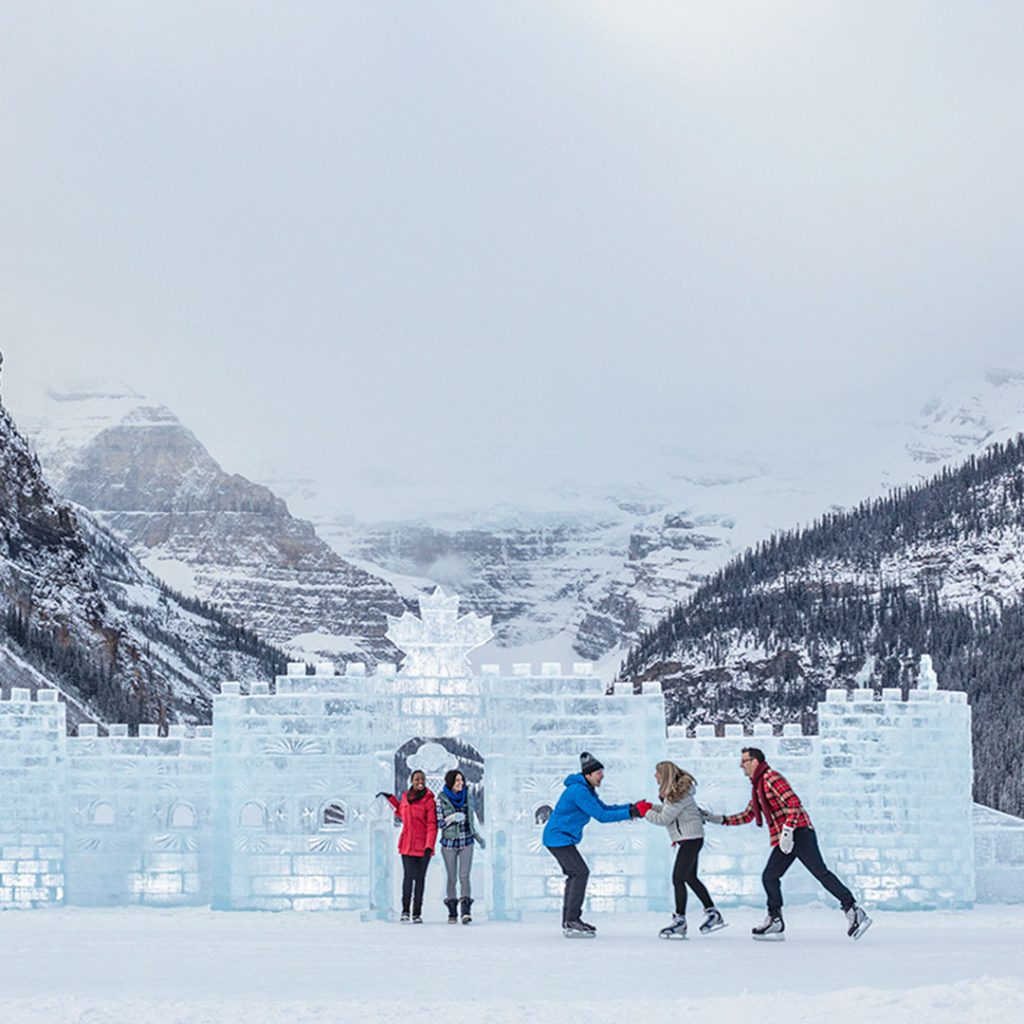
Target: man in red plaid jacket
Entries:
(792, 837)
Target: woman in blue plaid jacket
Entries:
(456, 825)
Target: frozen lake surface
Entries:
(143, 966)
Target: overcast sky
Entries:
(510, 242)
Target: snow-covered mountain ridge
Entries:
(79, 611)
(854, 600)
(215, 535)
(581, 571)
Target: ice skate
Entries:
(771, 931)
(579, 930)
(405, 917)
(858, 922)
(676, 930)
(713, 921)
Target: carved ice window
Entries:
(253, 815)
(183, 816)
(102, 814)
(333, 816)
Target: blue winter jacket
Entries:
(576, 806)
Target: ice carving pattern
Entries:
(139, 828)
(439, 641)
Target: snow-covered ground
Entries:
(141, 966)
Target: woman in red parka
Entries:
(416, 843)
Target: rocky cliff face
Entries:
(80, 611)
(216, 535)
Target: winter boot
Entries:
(858, 922)
(467, 917)
(579, 930)
(453, 912)
(417, 919)
(405, 917)
(676, 930)
(772, 929)
(712, 921)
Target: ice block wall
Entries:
(138, 817)
(542, 722)
(294, 773)
(998, 856)
(895, 794)
(32, 784)
(733, 857)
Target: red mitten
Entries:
(643, 806)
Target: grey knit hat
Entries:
(589, 763)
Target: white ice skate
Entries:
(676, 930)
(772, 930)
(713, 921)
(579, 930)
(858, 922)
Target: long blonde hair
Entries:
(673, 782)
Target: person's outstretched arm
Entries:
(664, 814)
(739, 819)
(593, 805)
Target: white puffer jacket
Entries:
(681, 819)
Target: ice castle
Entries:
(272, 807)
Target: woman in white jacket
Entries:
(679, 814)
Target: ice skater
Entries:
(792, 837)
(456, 822)
(416, 842)
(679, 814)
(579, 803)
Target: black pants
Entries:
(414, 875)
(685, 874)
(805, 849)
(576, 872)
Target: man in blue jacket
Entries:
(579, 803)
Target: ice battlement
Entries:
(23, 695)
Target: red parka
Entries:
(419, 823)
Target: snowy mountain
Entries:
(80, 612)
(211, 534)
(580, 570)
(855, 600)
(597, 565)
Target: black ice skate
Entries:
(772, 930)
(712, 921)
(858, 922)
(579, 930)
(405, 917)
(676, 930)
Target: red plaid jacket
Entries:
(784, 807)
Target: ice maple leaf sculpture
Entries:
(438, 642)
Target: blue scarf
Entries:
(458, 800)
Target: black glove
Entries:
(382, 794)
(428, 853)
(633, 812)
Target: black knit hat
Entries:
(589, 763)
